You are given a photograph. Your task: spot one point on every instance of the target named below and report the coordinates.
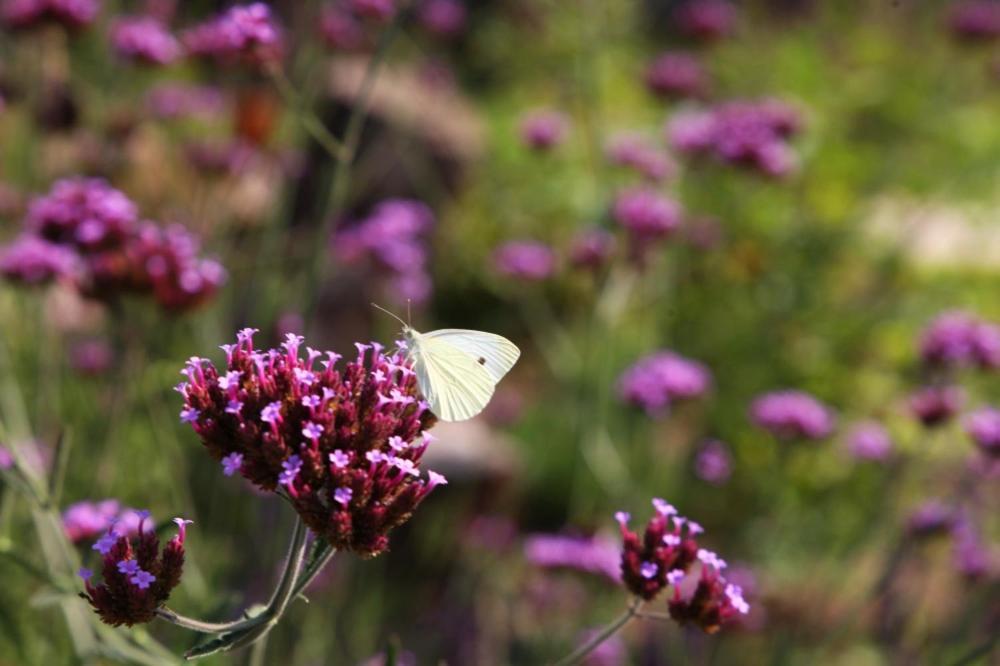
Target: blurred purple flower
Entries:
(869, 440)
(91, 357)
(975, 20)
(591, 248)
(973, 559)
(86, 519)
(646, 214)
(792, 415)
(931, 517)
(378, 10)
(612, 652)
(175, 100)
(84, 211)
(31, 260)
(714, 463)
(935, 405)
(524, 259)
(655, 381)
(984, 428)
(638, 153)
(596, 555)
(544, 129)
(444, 18)
(144, 39)
(676, 75)
(957, 339)
(243, 33)
(23, 14)
(707, 20)
(341, 30)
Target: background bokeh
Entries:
(813, 260)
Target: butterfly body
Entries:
(458, 369)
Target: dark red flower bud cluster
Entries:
(137, 577)
(343, 445)
(665, 556)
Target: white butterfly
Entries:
(458, 369)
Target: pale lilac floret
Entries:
(709, 558)
(377, 457)
(671, 540)
(142, 579)
(436, 479)
(675, 577)
(271, 413)
(234, 407)
(106, 543)
(694, 528)
(311, 401)
(340, 459)
(85, 573)
(232, 463)
(663, 507)
(736, 600)
(312, 430)
(398, 444)
(406, 466)
(128, 566)
(648, 569)
(305, 377)
(189, 415)
(292, 466)
(343, 496)
(622, 518)
(230, 380)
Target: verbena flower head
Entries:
(24, 14)
(714, 463)
(869, 440)
(85, 212)
(677, 75)
(524, 259)
(958, 339)
(638, 153)
(247, 34)
(442, 18)
(975, 20)
(544, 129)
(591, 248)
(748, 133)
(657, 380)
(137, 576)
(792, 415)
(145, 40)
(666, 555)
(706, 20)
(646, 214)
(936, 405)
(984, 428)
(86, 519)
(395, 237)
(596, 555)
(31, 260)
(359, 476)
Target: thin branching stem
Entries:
(577, 655)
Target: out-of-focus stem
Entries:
(577, 655)
(312, 124)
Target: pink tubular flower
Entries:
(792, 415)
(983, 427)
(544, 129)
(24, 14)
(355, 476)
(137, 576)
(595, 555)
(676, 75)
(145, 40)
(527, 260)
(657, 380)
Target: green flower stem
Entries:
(577, 655)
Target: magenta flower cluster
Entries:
(869, 441)
(85, 520)
(145, 40)
(23, 14)
(639, 154)
(395, 238)
(544, 129)
(87, 232)
(706, 20)
(665, 556)
(983, 427)
(792, 415)
(242, 34)
(591, 248)
(975, 20)
(936, 405)
(137, 576)
(595, 555)
(343, 445)
(959, 339)
(674, 74)
(524, 259)
(656, 381)
(646, 214)
(754, 134)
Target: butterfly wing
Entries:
(455, 385)
(494, 352)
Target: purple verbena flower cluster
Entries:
(748, 133)
(637, 153)
(145, 40)
(677, 75)
(24, 14)
(596, 555)
(591, 248)
(344, 445)
(242, 34)
(792, 415)
(983, 427)
(655, 381)
(544, 129)
(936, 405)
(664, 556)
(975, 20)
(646, 214)
(870, 441)
(86, 519)
(137, 577)
(958, 339)
(394, 236)
(89, 232)
(706, 20)
(714, 463)
(524, 259)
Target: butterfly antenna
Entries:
(379, 307)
